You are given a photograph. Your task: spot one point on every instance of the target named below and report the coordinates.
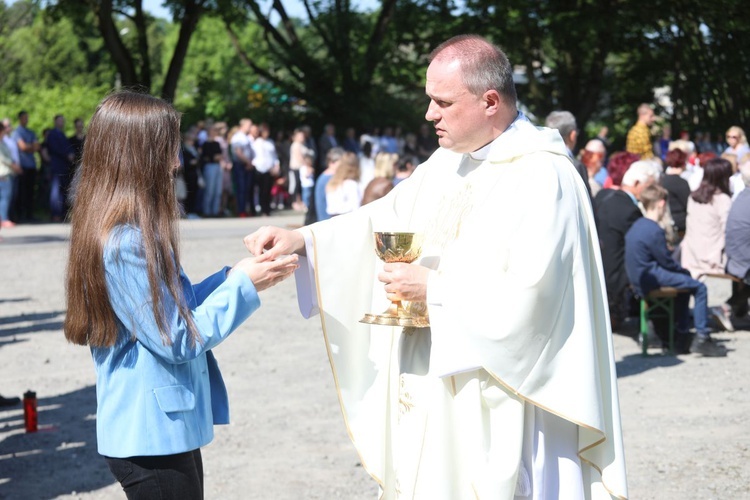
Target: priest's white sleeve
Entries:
(304, 276)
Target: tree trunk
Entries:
(142, 34)
(188, 24)
(112, 41)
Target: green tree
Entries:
(43, 103)
(703, 49)
(214, 82)
(49, 67)
(133, 57)
(332, 60)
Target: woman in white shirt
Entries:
(342, 191)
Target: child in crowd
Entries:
(650, 266)
(307, 178)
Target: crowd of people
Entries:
(31, 185)
(243, 172)
(672, 213)
(239, 171)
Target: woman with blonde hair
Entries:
(158, 385)
(736, 152)
(736, 143)
(385, 164)
(342, 191)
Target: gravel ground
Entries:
(685, 418)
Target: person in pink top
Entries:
(705, 226)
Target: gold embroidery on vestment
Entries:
(446, 225)
(405, 403)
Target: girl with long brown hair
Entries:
(159, 389)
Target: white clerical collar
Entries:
(482, 153)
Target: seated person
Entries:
(737, 247)
(615, 210)
(650, 266)
(677, 187)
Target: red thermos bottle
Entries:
(29, 411)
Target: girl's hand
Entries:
(264, 272)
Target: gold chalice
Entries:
(397, 247)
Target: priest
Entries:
(511, 392)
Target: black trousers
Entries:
(166, 477)
(740, 296)
(25, 194)
(265, 183)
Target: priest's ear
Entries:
(492, 102)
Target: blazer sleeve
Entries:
(227, 306)
(209, 284)
(659, 250)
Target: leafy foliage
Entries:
(43, 103)
(343, 64)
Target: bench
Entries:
(658, 302)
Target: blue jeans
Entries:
(212, 192)
(58, 191)
(307, 195)
(682, 307)
(243, 186)
(6, 193)
(173, 477)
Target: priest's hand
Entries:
(405, 281)
(275, 242)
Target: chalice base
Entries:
(396, 320)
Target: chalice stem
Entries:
(395, 310)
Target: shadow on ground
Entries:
(15, 299)
(60, 458)
(633, 364)
(31, 323)
(32, 240)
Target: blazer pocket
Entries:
(174, 398)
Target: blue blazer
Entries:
(647, 259)
(154, 399)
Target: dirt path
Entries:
(685, 419)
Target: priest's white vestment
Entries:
(511, 392)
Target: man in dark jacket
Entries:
(61, 158)
(615, 210)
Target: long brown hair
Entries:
(125, 178)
